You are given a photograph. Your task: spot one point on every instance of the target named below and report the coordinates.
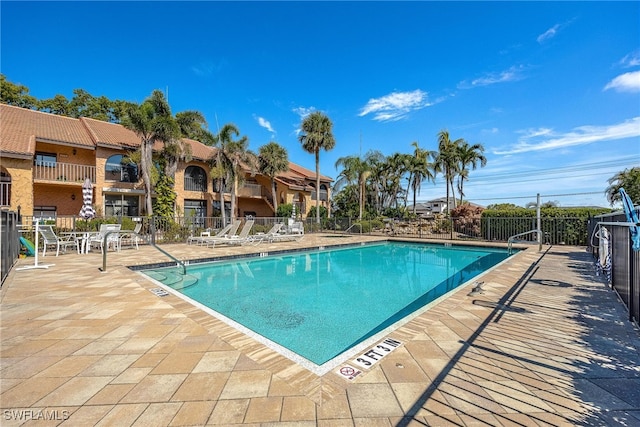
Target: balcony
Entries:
(323, 195)
(195, 184)
(63, 172)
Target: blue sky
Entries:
(551, 89)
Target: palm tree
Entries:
(273, 159)
(355, 172)
(229, 161)
(468, 155)
(317, 135)
(152, 122)
(419, 170)
(447, 160)
(629, 179)
(192, 125)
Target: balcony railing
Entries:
(323, 195)
(195, 184)
(250, 190)
(63, 172)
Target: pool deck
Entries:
(545, 343)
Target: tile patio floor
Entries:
(547, 343)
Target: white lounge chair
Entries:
(261, 237)
(226, 232)
(239, 239)
(50, 239)
(295, 231)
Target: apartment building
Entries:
(45, 158)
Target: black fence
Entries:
(625, 262)
(10, 241)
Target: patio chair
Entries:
(131, 238)
(261, 237)
(229, 230)
(51, 239)
(113, 239)
(295, 231)
(239, 239)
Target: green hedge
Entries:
(559, 225)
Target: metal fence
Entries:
(556, 231)
(10, 241)
(625, 262)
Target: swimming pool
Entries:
(318, 304)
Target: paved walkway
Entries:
(546, 343)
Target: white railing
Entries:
(5, 193)
(63, 172)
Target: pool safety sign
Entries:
(369, 358)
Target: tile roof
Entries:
(20, 127)
(111, 134)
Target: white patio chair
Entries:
(51, 239)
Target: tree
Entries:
(16, 95)
(355, 172)
(152, 122)
(272, 160)
(419, 170)
(228, 163)
(447, 160)
(317, 135)
(468, 155)
(629, 179)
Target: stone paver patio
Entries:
(547, 343)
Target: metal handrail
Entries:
(510, 239)
(353, 225)
(104, 246)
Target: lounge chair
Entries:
(295, 231)
(239, 239)
(199, 239)
(226, 232)
(50, 239)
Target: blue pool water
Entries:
(320, 303)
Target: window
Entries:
(218, 212)
(195, 179)
(5, 189)
(324, 194)
(44, 211)
(118, 169)
(45, 159)
(120, 205)
(195, 211)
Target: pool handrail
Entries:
(104, 253)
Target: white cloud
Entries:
(208, 68)
(549, 34)
(627, 82)
(395, 106)
(631, 60)
(512, 74)
(304, 111)
(546, 139)
(265, 124)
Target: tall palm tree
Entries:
(273, 159)
(629, 179)
(468, 155)
(419, 169)
(356, 171)
(317, 135)
(152, 122)
(229, 163)
(447, 160)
